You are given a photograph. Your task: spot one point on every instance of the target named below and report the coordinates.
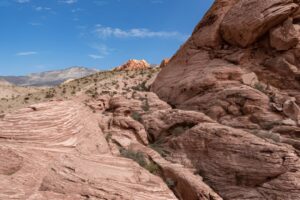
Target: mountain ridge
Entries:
(50, 78)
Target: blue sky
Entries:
(40, 35)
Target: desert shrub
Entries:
(260, 87)
(146, 106)
(49, 95)
(108, 137)
(159, 148)
(179, 129)
(170, 183)
(141, 87)
(153, 168)
(138, 157)
(136, 116)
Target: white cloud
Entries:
(96, 56)
(22, 1)
(102, 51)
(105, 32)
(40, 8)
(68, 1)
(26, 53)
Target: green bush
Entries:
(170, 183)
(136, 156)
(136, 116)
(139, 157)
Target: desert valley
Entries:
(218, 120)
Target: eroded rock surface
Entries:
(221, 122)
(240, 67)
(58, 151)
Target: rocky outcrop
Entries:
(223, 122)
(285, 36)
(133, 65)
(164, 63)
(240, 67)
(246, 21)
(57, 151)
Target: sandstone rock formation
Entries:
(164, 63)
(240, 67)
(221, 120)
(57, 151)
(133, 65)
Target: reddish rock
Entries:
(247, 20)
(164, 63)
(133, 65)
(250, 87)
(285, 36)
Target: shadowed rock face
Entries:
(241, 68)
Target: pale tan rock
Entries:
(250, 79)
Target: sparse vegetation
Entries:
(146, 106)
(139, 157)
(170, 183)
(259, 87)
(179, 129)
(141, 87)
(136, 116)
(157, 146)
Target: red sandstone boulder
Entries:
(248, 20)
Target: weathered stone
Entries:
(250, 79)
(247, 20)
(285, 36)
(292, 110)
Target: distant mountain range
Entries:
(49, 78)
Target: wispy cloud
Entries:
(40, 8)
(68, 1)
(76, 10)
(94, 56)
(102, 51)
(26, 53)
(22, 1)
(35, 24)
(106, 32)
